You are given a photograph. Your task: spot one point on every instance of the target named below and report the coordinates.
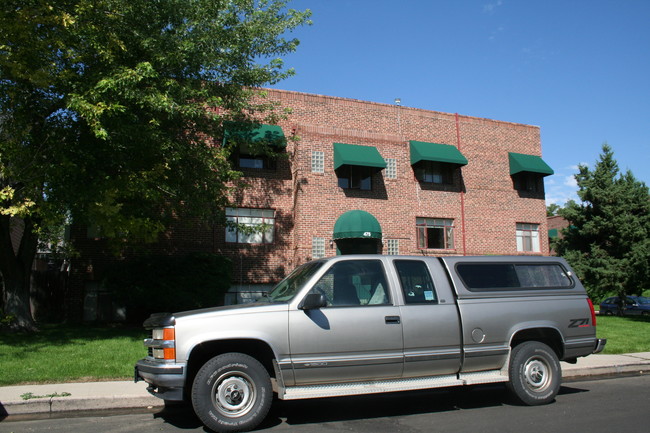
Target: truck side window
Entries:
(416, 282)
(354, 283)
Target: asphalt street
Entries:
(618, 404)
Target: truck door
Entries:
(430, 319)
(357, 336)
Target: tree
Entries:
(108, 109)
(552, 209)
(607, 241)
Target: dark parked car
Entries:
(634, 305)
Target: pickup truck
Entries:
(361, 324)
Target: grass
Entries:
(628, 334)
(67, 353)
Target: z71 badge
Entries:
(578, 323)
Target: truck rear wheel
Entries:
(535, 373)
(231, 393)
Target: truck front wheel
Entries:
(231, 393)
(535, 373)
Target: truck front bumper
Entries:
(166, 380)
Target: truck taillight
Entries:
(593, 312)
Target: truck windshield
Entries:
(291, 285)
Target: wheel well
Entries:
(209, 349)
(550, 337)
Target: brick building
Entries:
(555, 224)
(368, 177)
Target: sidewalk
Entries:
(70, 397)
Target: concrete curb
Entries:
(93, 396)
(72, 397)
(607, 365)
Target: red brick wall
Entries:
(492, 207)
(308, 204)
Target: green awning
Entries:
(271, 135)
(520, 162)
(357, 224)
(422, 151)
(351, 154)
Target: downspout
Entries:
(462, 192)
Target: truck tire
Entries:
(535, 373)
(231, 393)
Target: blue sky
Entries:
(578, 69)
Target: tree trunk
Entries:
(15, 267)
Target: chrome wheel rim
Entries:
(233, 394)
(537, 374)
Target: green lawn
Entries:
(60, 353)
(624, 334)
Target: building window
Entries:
(317, 248)
(528, 237)
(391, 168)
(435, 172)
(393, 247)
(434, 233)
(256, 161)
(317, 161)
(250, 226)
(355, 177)
(529, 182)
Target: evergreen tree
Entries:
(607, 241)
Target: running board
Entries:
(394, 385)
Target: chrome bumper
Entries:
(165, 381)
(600, 345)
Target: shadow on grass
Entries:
(62, 334)
(25, 346)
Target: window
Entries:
(354, 283)
(317, 248)
(529, 182)
(256, 161)
(435, 172)
(317, 161)
(528, 237)
(435, 233)
(513, 276)
(355, 177)
(391, 168)
(393, 247)
(416, 282)
(250, 226)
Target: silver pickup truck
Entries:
(363, 324)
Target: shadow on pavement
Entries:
(324, 410)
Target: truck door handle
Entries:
(392, 320)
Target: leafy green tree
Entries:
(607, 241)
(552, 209)
(108, 109)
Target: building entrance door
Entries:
(356, 246)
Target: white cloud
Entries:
(561, 187)
(571, 181)
(490, 7)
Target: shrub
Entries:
(152, 284)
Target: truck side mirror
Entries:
(313, 301)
